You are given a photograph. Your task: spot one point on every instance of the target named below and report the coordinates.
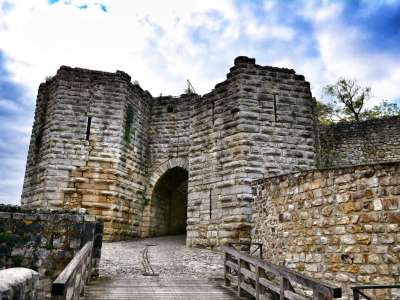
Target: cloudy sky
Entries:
(162, 43)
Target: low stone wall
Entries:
(45, 241)
(350, 143)
(339, 225)
(18, 284)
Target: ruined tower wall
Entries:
(34, 189)
(360, 142)
(168, 148)
(257, 123)
(92, 169)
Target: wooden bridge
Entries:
(245, 277)
(155, 288)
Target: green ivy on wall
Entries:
(130, 117)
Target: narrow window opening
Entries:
(170, 108)
(89, 123)
(210, 205)
(213, 108)
(130, 115)
(275, 110)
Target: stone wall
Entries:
(257, 123)
(339, 225)
(360, 142)
(45, 241)
(19, 284)
(88, 148)
(102, 143)
(168, 144)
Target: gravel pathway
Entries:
(169, 258)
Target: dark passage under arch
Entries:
(169, 203)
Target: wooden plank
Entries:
(257, 283)
(144, 289)
(269, 285)
(232, 265)
(65, 278)
(233, 279)
(293, 296)
(248, 288)
(248, 273)
(326, 289)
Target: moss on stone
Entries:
(5, 237)
(17, 260)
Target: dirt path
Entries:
(169, 258)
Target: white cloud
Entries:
(163, 43)
(342, 54)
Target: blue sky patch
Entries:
(8, 89)
(16, 120)
(84, 6)
(103, 7)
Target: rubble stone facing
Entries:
(258, 123)
(340, 225)
(45, 241)
(360, 142)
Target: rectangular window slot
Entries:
(89, 123)
(210, 205)
(275, 110)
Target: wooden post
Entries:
(317, 295)
(285, 285)
(239, 280)
(257, 282)
(238, 275)
(226, 270)
(356, 295)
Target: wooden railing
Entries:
(264, 280)
(248, 247)
(357, 289)
(71, 281)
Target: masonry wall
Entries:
(81, 154)
(46, 241)
(257, 123)
(339, 225)
(169, 142)
(360, 142)
(102, 143)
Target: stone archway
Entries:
(168, 203)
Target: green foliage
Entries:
(17, 260)
(130, 116)
(347, 99)
(324, 112)
(384, 109)
(5, 237)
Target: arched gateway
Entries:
(168, 203)
(154, 165)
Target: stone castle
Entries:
(151, 166)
